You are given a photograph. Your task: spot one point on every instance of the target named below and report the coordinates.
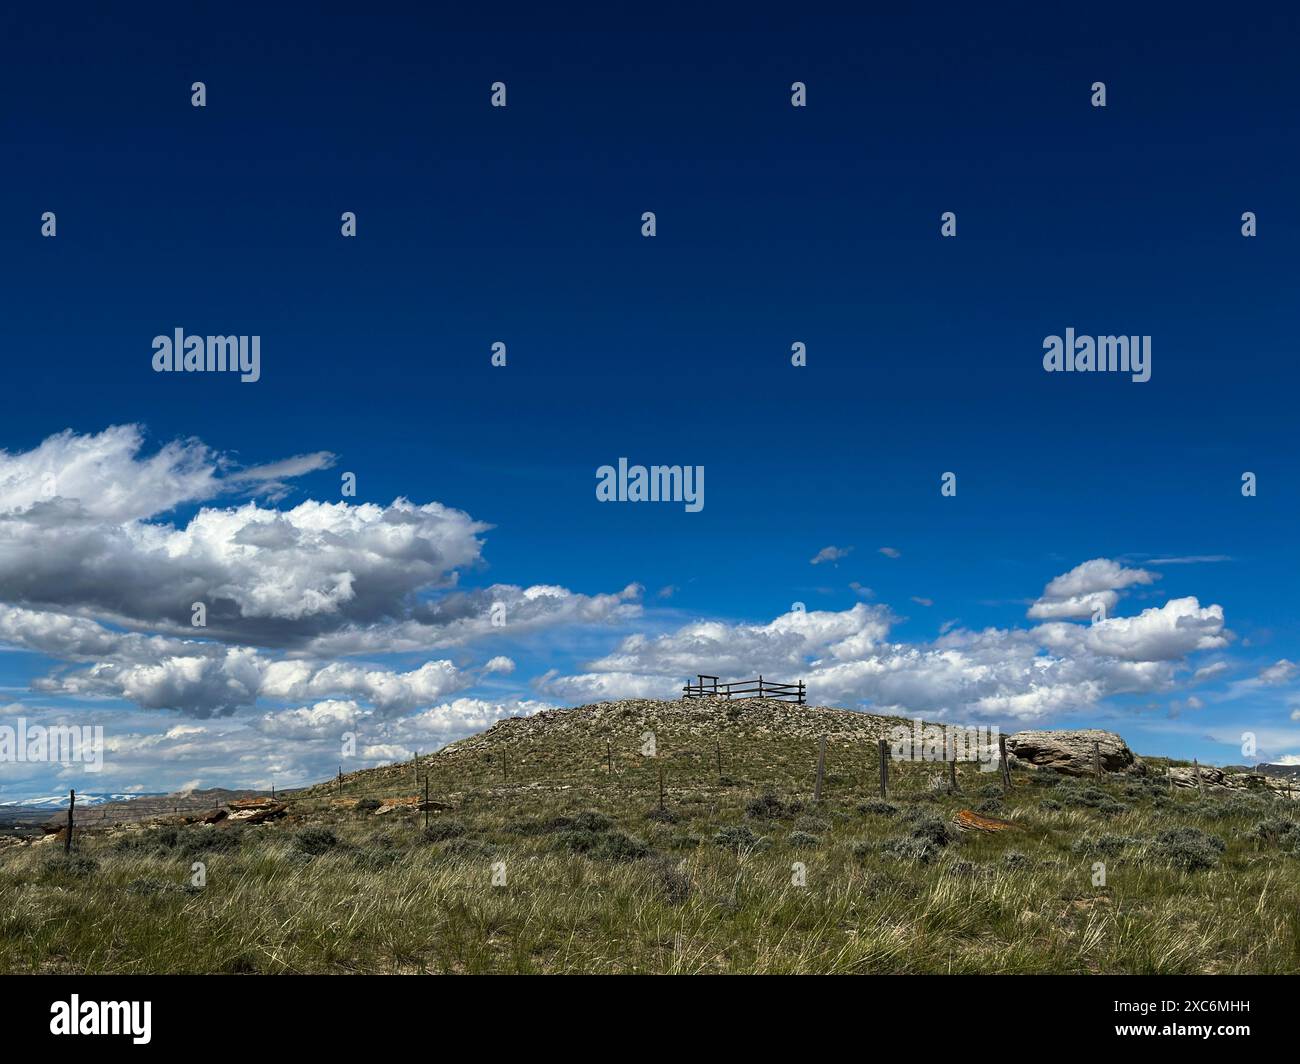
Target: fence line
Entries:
(760, 688)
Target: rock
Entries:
(256, 811)
(971, 821)
(1071, 752)
(1185, 776)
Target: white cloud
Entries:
(847, 658)
(1280, 672)
(1164, 633)
(1208, 672)
(830, 554)
(1087, 588)
(89, 576)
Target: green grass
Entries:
(621, 892)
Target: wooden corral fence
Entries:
(708, 687)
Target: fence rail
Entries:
(709, 687)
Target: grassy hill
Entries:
(547, 850)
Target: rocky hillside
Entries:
(705, 743)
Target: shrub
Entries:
(877, 807)
(738, 838)
(615, 846)
(801, 840)
(1103, 845)
(1088, 797)
(1050, 805)
(367, 805)
(991, 790)
(196, 840)
(469, 849)
(186, 841)
(1277, 830)
(604, 845)
(1015, 859)
(592, 821)
(768, 806)
(376, 858)
(911, 848)
(73, 865)
(989, 805)
(669, 880)
(1190, 849)
(315, 841)
(442, 830)
(662, 816)
(813, 825)
(539, 827)
(932, 829)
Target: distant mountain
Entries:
(60, 801)
(1280, 771)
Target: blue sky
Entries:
(522, 224)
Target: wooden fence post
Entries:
(1006, 765)
(718, 745)
(1169, 774)
(72, 802)
(1096, 758)
(952, 774)
(426, 803)
(1200, 785)
(661, 786)
(821, 768)
(609, 759)
(340, 779)
(884, 769)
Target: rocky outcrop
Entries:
(256, 810)
(1074, 752)
(1212, 778)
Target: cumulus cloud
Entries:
(94, 576)
(104, 477)
(847, 658)
(218, 681)
(891, 552)
(1086, 589)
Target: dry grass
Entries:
(647, 895)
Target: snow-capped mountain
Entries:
(60, 801)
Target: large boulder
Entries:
(1073, 752)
